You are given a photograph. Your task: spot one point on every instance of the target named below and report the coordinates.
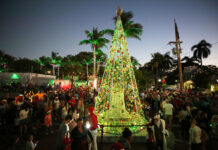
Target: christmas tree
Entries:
(118, 102)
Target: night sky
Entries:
(33, 28)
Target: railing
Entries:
(115, 126)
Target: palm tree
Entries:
(201, 50)
(87, 63)
(101, 58)
(55, 60)
(58, 63)
(160, 63)
(131, 29)
(135, 62)
(190, 61)
(96, 40)
(46, 61)
(40, 63)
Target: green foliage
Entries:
(201, 50)
(201, 80)
(160, 64)
(131, 29)
(206, 76)
(144, 79)
(95, 38)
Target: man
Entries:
(56, 108)
(159, 133)
(195, 136)
(93, 128)
(63, 132)
(126, 138)
(168, 113)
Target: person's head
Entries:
(193, 122)
(91, 110)
(156, 117)
(79, 122)
(68, 118)
(30, 137)
(127, 134)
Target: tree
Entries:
(204, 78)
(135, 62)
(131, 29)
(26, 65)
(144, 78)
(87, 63)
(190, 61)
(160, 64)
(96, 40)
(40, 63)
(6, 62)
(201, 50)
(118, 100)
(46, 61)
(101, 59)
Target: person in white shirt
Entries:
(30, 145)
(195, 136)
(159, 133)
(56, 108)
(168, 113)
(23, 114)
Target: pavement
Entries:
(48, 142)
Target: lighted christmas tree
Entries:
(118, 101)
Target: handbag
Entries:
(67, 141)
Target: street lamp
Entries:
(159, 80)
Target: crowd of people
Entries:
(70, 114)
(196, 112)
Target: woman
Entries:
(80, 136)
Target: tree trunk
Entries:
(58, 72)
(98, 67)
(201, 65)
(157, 75)
(87, 73)
(94, 64)
(53, 69)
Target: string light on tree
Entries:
(118, 101)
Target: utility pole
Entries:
(177, 51)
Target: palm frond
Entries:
(84, 42)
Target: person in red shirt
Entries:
(48, 122)
(93, 127)
(72, 101)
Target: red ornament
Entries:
(134, 109)
(118, 51)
